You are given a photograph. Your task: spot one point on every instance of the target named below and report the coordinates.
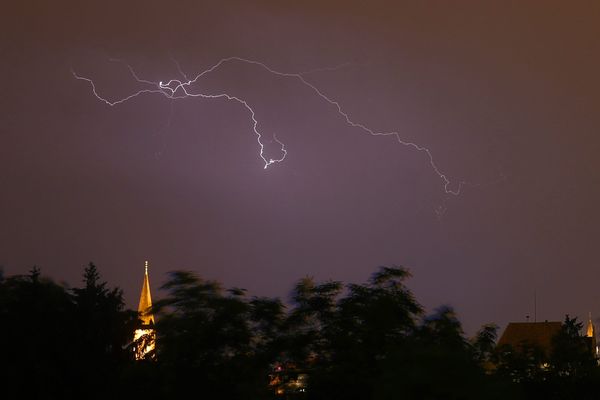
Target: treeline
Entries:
(334, 341)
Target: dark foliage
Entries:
(60, 343)
(334, 341)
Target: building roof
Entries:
(538, 334)
(146, 300)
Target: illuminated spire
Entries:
(145, 336)
(146, 299)
(591, 330)
(591, 334)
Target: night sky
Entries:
(505, 95)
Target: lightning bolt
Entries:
(182, 88)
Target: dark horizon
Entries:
(370, 341)
(503, 94)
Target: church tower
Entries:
(145, 335)
(591, 335)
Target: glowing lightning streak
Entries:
(171, 93)
(174, 86)
(267, 162)
(347, 118)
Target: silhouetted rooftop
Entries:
(539, 334)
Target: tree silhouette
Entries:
(366, 322)
(358, 341)
(484, 345)
(205, 339)
(103, 330)
(36, 337)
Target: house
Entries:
(521, 336)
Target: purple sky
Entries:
(493, 89)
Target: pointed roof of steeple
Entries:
(146, 299)
(591, 330)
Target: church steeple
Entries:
(146, 300)
(591, 330)
(591, 336)
(145, 336)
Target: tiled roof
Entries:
(539, 334)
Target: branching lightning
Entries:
(182, 88)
